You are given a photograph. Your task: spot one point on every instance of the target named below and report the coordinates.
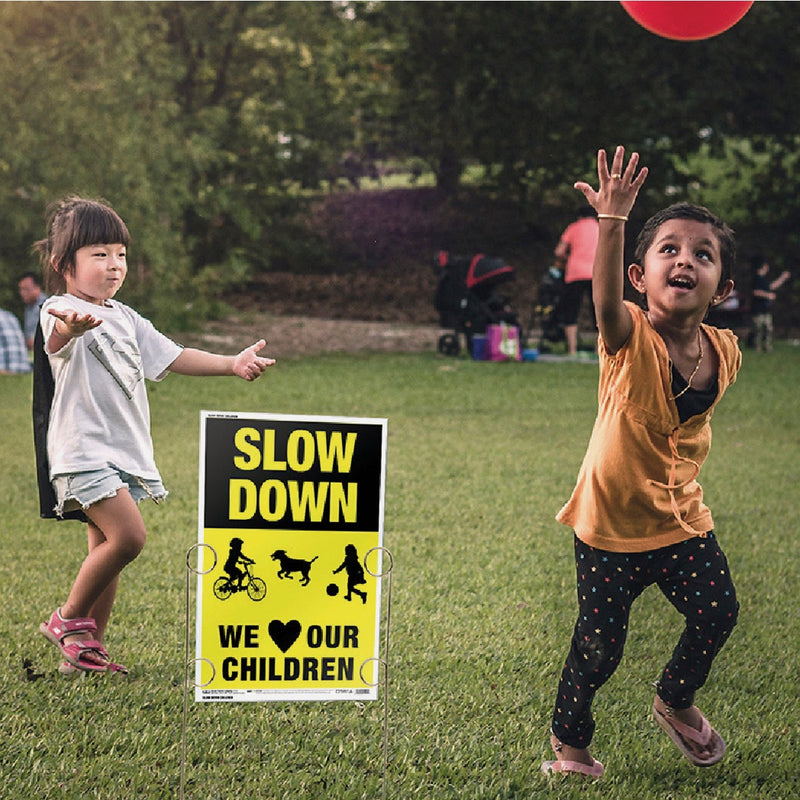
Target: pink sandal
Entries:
(69, 671)
(56, 629)
(679, 732)
(594, 770)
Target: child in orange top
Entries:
(637, 510)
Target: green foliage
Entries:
(173, 113)
(212, 126)
(480, 458)
(738, 182)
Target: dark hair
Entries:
(725, 237)
(32, 275)
(74, 223)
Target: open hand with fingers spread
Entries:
(249, 365)
(618, 187)
(74, 324)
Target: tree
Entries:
(532, 90)
(210, 125)
(179, 115)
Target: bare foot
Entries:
(566, 753)
(688, 716)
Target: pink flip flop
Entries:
(706, 737)
(564, 766)
(595, 770)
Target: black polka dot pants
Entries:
(693, 575)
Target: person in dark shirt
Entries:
(764, 294)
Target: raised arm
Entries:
(247, 364)
(780, 280)
(613, 202)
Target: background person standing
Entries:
(32, 294)
(577, 247)
(13, 353)
(764, 294)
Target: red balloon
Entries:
(687, 20)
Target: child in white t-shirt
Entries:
(99, 447)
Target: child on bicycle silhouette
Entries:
(236, 557)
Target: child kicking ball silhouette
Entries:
(355, 573)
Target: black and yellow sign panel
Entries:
(293, 507)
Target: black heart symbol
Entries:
(284, 634)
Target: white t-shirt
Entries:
(100, 414)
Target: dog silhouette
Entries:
(290, 565)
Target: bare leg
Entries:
(116, 536)
(571, 332)
(101, 608)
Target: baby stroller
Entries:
(545, 312)
(467, 299)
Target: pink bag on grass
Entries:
(502, 343)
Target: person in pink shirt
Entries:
(577, 247)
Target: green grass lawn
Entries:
(480, 458)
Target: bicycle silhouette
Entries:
(255, 587)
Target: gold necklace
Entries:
(697, 367)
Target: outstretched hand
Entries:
(618, 188)
(75, 324)
(248, 364)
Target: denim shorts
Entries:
(82, 489)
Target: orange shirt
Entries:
(637, 487)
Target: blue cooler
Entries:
(479, 347)
(530, 354)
